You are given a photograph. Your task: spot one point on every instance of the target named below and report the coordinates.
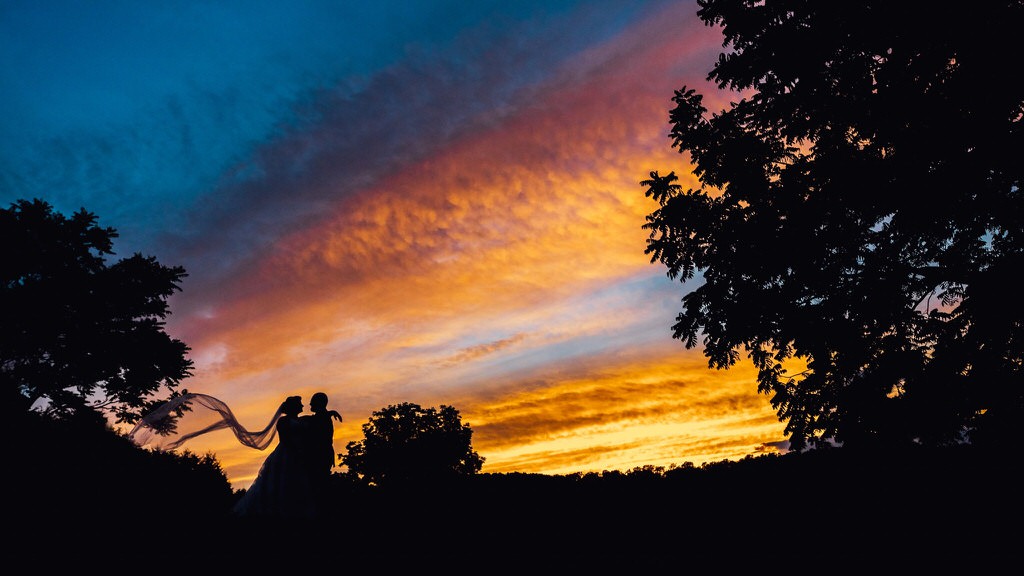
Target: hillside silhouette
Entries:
(88, 496)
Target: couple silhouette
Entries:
(292, 481)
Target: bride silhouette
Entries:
(283, 485)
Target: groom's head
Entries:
(318, 401)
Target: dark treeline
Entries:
(90, 494)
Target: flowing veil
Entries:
(202, 414)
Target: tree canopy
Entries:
(77, 334)
(406, 443)
(857, 207)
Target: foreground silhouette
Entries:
(108, 503)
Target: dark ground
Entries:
(880, 513)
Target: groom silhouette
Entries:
(320, 443)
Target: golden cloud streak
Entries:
(659, 411)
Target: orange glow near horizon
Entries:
(645, 411)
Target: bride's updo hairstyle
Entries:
(292, 405)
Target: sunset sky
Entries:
(434, 202)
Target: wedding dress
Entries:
(283, 487)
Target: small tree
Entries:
(77, 335)
(407, 443)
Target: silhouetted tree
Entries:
(406, 443)
(858, 208)
(77, 334)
